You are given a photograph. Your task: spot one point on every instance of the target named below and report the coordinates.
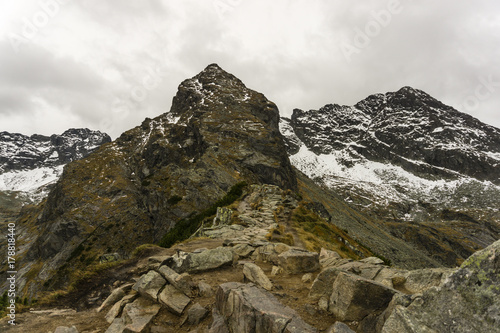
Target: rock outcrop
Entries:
(468, 301)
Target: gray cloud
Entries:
(108, 66)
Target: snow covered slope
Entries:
(405, 158)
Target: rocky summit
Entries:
(217, 133)
(219, 217)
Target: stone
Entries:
(402, 321)
(276, 270)
(205, 290)
(114, 297)
(159, 259)
(323, 303)
(417, 281)
(390, 277)
(325, 254)
(353, 297)
(63, 329)
(247, 308)
(173, 299)
(109, 257)
(323, 284)
(296, 261)
(223, 216)
(306, 278)
(243, 250)
(117, 326)
(138, 315)
(467, 301)
(149, 285)
(368, 271)
(255, 274)
(339, 327)
(373, 261)
(333, 262)
(218, 323)
(182, 282)
(196, 314)
(270, 252)
(204, 261)
(117, 308)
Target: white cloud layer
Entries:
(108, 65)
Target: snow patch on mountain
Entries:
(34, 184)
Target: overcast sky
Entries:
(107, 65)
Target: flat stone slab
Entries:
(247, 308)
(173, 299)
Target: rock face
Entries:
(217, 133)
(428, 172)
(247, 308)
(467, 302)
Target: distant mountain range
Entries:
(29, 163)
(430, 173)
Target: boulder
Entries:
(325, 254)
(333, 262)
(218, 323)
(205, 290)
(339, 327)
(353, 297)
(373, 261)
(138, 315)
(196, 314)
(117, 308)
(117, 326)
(149, 285)
(63, 329)
(468, 300)
(276, 270)
(246, 308)
(323, 284)
(306, 278)
(368, 271)
(422, 279)
(390, 277)
(183, 281)
(256, 275)
(204, 261)
(243, 250)
(296, 261)
(109, 257)
(173, 299)
(270, 252)
(114, 297)
(223, 216)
